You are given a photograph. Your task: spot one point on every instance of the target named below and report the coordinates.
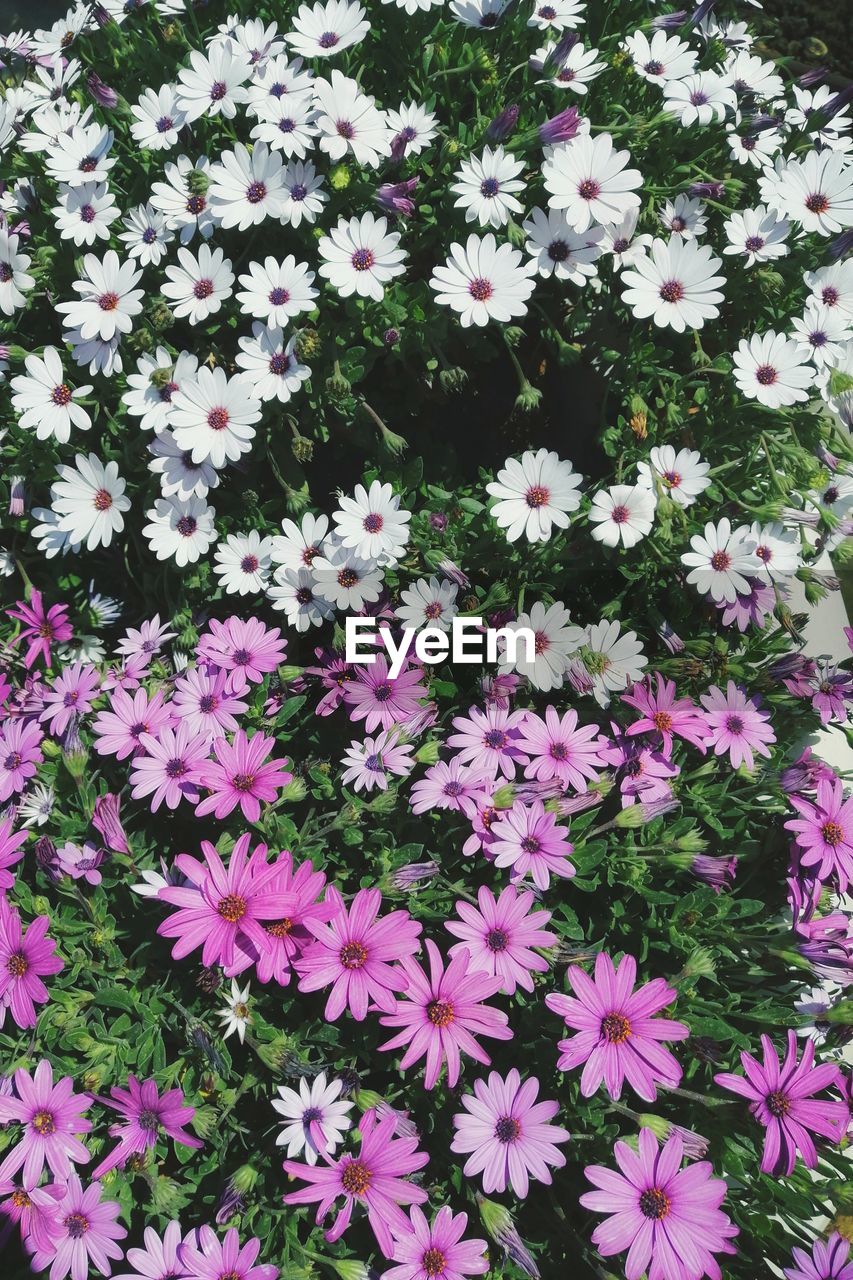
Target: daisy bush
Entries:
(535, 316)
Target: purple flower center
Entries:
(671, 291)
(232, 908)
(76, 1224)
(176, 768)
(453, 788)
(279, 296)
(778, 1104)
(17, 964)
(653, 68)
(164, 124)
(615, 1028)
(833, 833)
(589, 189)
(202, 289)
(6, 272)
(328, 40)
(720, 561)
(766, 375)
(207, 704)
(250, 564)
(353, 955)
(433, 1263)
(149, 1120)
(558, 251)
(830, 296)
(620, 245)
(496, 740)
(734, 724)
(87, 213)
(187, 526)
(218, 91)
(440, 1013)
(817, 202)
(619, 515)
(256, 192)
(489, 188)
(345, 130)
(497, 940)
(196, 205)
(530, 844)
(754, 243)
(149, 235)
(60, 395)
(373, 522)
(507, 1129)
(654, 1204)
(480, 290)
(363, 259)
(298, 193)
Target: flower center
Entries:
(6, 272)
(149, 235)
(196, 205)
(832, 832)
(279, 296)
(164, 124)
(373, 522)
(817, 202)
(103, 500)
(677, 224)
(328, 40)
(347, 577)
(536, 497)
(698, 98)
(202, 289)
(453, 788)
(734, 724)
(345, 129)
(558, 751)
(497, 940)
(286, 126)
(558, 251)
(620, 245)
(495, 740)
(17, 964)
(232, 908)
(60, 395)
(480, 290)
(176, 768)
(281, 928)
(619, 515)
(355, 1178)
(87, 213)
(20, 1199)
(243, 782)
(530, 844)
(671, 291)
(654, 68)
(76, 1224)
(207, 704)
(589, 189)
(187, 526)
(489, 188)
(149, 1120)
(615, 1028)
(363, 259)
(662, 720)
(754, 243)
(720, 561)
(541, 642)
(88, 165)
(353, 955)
(830, 296)
(440, 1013)
(433, 610)
(218, 91)
(766, 375)
(507, 1129)
(433, 1263)
(108, 301)
(44, 1123)
(654, 1204)
(299, 192)
(218, 419)
(304, 595)
(256, 192)
(778, 1104)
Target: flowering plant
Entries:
(534, 314)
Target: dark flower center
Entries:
(480, 290)
(176, 768)
(720, 561)
(87, 213)
(833, 833)
(654, 1204)
(589, 189)
(345, 129)
(202, 289)
(328, 40)
(778, 1104)
(256, 192)
(653, 68)
(164, 124)
(108, 301)
(671, 291)
(507, 1129)
(149, 1120)
(353, 955)
(61, 395)
(363, 259)
(537, 497)
(44, 1123)
(103, 500)
(232, 908)
(243, 782)
(830, 296)
(497, 940)
(217, 419)
(218, 91)
(817, 202)
(734, 724)
(766, 375)
(754, 243)
(17, 964)
(558, 251)
(530, 844)
(76, 1224)
(196, 205)
(496, 740)
(207, 704)
(489, 188)
(433, 1263)
(453, 788)
(615, 1028)
(440, 1013)
(355, 1178)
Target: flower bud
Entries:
(503, 124)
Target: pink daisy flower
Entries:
(781, 1096)
(203, 698)
(288, 937)
(355, 953)
(11, 853)
(482, 817)
(500, 937)
(42, 627)
(529, 840)
(334, 672)
(833, 689)
(221, 910)
(376, 1179)
(215, 1259)
(245, 648)
(241, 775)
(33, 1212)
(451, 785)
(735, 725)
(160, 1258)
(509, 1134)
(72, 694)
(824, 832)
(20, 753)
(618, 1036)
(52, 1114)
(25, 958)
(170, 766)
(668, 1218)
(372, 696)
(663, 713)
(436, 1251)
(145, 641)
(84, 1234)
(559, 749)
(118, 731)
(442, 1013)
(826, 1260)
(491, 738)
(145, 1114)
(643, 773)
(369, 764)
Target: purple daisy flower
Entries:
(241, 775)
(380, 701)
(52, 1116)
(170, 766)
(529, 840)
(145, 1114)
(828, 1260)
(824, 832)
(436, 1251)
(735, 725)
(10, 853)
(84, 1235)
(25, 958)
(491, 739)
(160, 1258)
(451, 785)
(559, 748)
(501, 935)
(72, 694)
(42, 627)
(663, 713)
(214, 1259)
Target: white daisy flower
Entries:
(361, 256)
(7, 563)
(813, 1006)
(180, 477)
(534, 493)
(557, 638)
(106, 609)
(44, 401)
(270, 365)
(809, 115)
(146, 235)
(36, 806)
(213, 85)
(299, 544)
(722, 560)
(612, 659)
(817, 192)
(314, 1119)
(684, 217)
(88, 501)
(59, 38)
(50, 121)
(412, 127)
(324, 30)
(52, 541)
(682, 476)
(242, 563)
(620, 240)
(734, 35)
(279, 77)
(294, 592)
(485, 14)
(755, 149)
(821, 333)
(199, 286)
(302, 193)
(485, 185)
(777, 548)
(82, 155)
(52, 82)
(213, 415)
(256, 41)
(574, 70)
(180, 530)
(182, 198)
(757, 234)
(676, 284)
(560, 251)
(277, 291)
(101, 357)
(484, 281)
(246, 187)
(372, 523)
(236, 1016)
(768, 367)
(699, 98)
(623, 513)
(158, 119)
(85, 213)
(349, 122)
(344, 579)
(557, 15)
(287, 123)
(108, 297)
(150, 390)
(14, 279)
(588, 180)
(832, 286)
(429, 602)
(662, 58)
(750, 75)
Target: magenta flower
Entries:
(735, 725)
(213, 1259)
(145, 1114)
(170, 766)
(203, 698)
(221, 910)
(491, 739)
(781, 1096)
(369, 764)
(375, 1179)
(833, 689)
(33, 1211)
(824, 832)
(372, 696)
(483, 815)
(668, 1218)
(160, 1258)
(437, 1251)
(442, 1014)
(119, 730)
(559, 749)
(145, 641)
(828, 1260)
(72, 694)
(10, 853)
(749, 608)
(500, 937)
(241, 775)
(509, 1134)
(288, 937)
(19, 754)
(52, 1114)
(663, 713)
(449, 786)
(80, 863)
(41, 628)
(356, 953)
(643, 773)
(529, 840)
(334, 672)
(84, 1235)
(25, 958)
(245, 648)
(618, 1036)
(106, 821)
